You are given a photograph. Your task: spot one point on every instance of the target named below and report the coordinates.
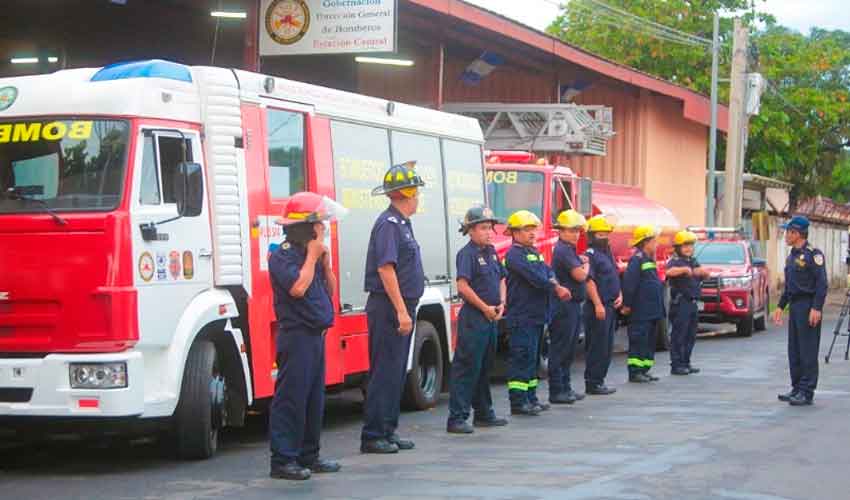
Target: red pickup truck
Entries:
(738, 289)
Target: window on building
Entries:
(285, 135)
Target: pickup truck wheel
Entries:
(744, 328)
(425, 379)
(201, 410)
(760, 323)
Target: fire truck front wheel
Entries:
(200, 412)
(425, 379)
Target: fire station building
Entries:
(660, 139)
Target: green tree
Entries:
(802, 131)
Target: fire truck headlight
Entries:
(739, 282)
(98, 375)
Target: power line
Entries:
(639, 19)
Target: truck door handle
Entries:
(204, 253)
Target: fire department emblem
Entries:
(174, 264)
(287, 21)
(146, 267)
(818, 259)
(7, 97)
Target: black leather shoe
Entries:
(639, 378)
(541, 406)
(680, 371)
(459, 428)
(600, 390)
(378, 447)
(800, 399)
(491, 422)
(576, 395)
(693, 370)
(787, 396)
(564, 398)
(526, 409)
(322, 466)
(651, 377)
(291, 471)
(403, 444)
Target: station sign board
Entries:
(301, 27)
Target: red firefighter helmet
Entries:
(309, 208)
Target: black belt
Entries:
(802, 296)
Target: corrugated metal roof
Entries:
(824, 209)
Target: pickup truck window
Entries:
(720, 253)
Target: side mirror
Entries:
(189, 189)
(759, 263)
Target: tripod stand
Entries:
(845, 309)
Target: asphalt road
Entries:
(720, 435)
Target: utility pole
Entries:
(733, 179)
(712, 138)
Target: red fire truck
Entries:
(137, 208)
(520, 180)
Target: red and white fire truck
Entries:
(137, 208)
(520, 180)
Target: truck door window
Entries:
(561, 197)
(285, 137)
(160, 157)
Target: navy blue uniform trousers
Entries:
(563, 335)
(599, 343)
(803, 347)
(470, 380)
(641, 345)
(522, 372)
(388, 351)
(684, 317)
(295, 421)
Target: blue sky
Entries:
(798, 14)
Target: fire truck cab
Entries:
(137, 208)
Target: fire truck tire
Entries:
(760, 323)
(425, 379)
(199, 412)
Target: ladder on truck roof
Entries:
(544, 128)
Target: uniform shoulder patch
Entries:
(392, 219)
(589, 251)
(818, 258)
(285, 246)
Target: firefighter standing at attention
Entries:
(643, 303)
(481, 284)
(600, 312)
(805, 293)
(571, 272)
(303, 284)
(685, 276)
(395, 281)
(531, 283)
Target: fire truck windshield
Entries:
(62, 164)
(511, 190)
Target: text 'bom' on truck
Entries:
(136, 217)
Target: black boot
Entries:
(493, 421)
(680, 370)
(322, 466)
(575, 395)
(693, 369)
(541, 407)
(599, 390)
(526, 409)
(651, 377)
(378, 447)
(291, 471)
(639, 378)
(801, 399)
(564, 398)
(403, 444)
(459, 428)
(787, 396)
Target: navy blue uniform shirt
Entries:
(481, 268)
(392, 242)
(805, 276)
(530, 286)
(685, 286)
(564, 260)
(643, 290)
(315, 309)
(603, 272)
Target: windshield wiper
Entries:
(24, 193)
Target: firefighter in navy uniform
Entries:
(571, 272)
(481, 284)
(684, 275)
(303, 284)
(531, 284)
(643, 303)
(600, 312)
(395, 281)
(805, 293)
